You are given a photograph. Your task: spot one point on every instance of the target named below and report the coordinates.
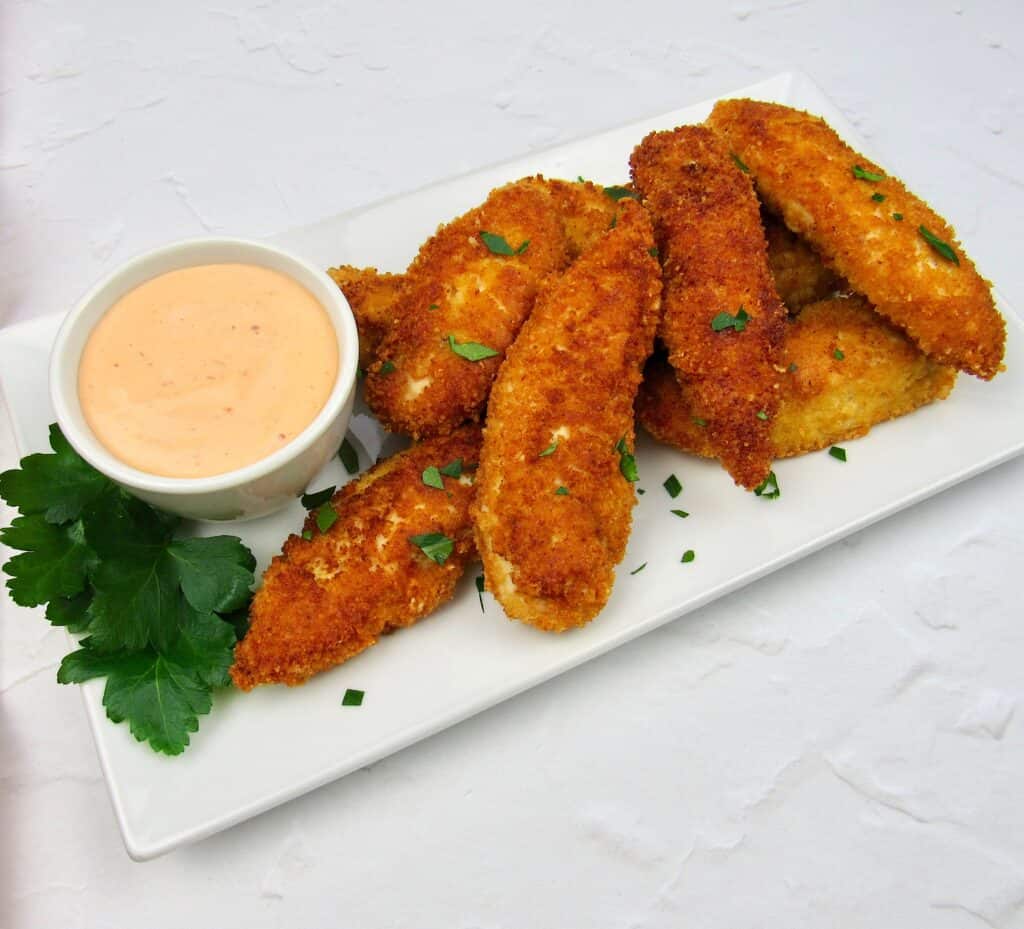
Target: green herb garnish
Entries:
(550, 450)
(792, 367)
(727, 321)
(838, 453)
(307, 534)
(877, 197)
(769, 487)
(319, 497)
(326, 516)
(453, 468)
(699, 421)
(471, 351)
(480, 591)
(762, 415)
(434, 306)
(838, 354)
(739, 162)
(653, 251)
(682, 514)
(432, 477)
(898, 217)
(638, 570)
(435, 545)
(154, 607)
(387, 367)
(673, 486)
(349, 457)
(627, 463)
(943, 248)
(863, 175)
(497, 245)
(353, 697)
(617, 193)
(640, 491)
(562, 492)
(688, 556)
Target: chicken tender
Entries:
(372, 297)
(890, 245)
(553, 506)
(331, 596)
(466, 295)
(800, 277)
(722, 321)
(824, 399)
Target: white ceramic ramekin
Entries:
(258, 488)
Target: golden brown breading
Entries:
(562, 402)
(457, 288)
(372, 297)
(331, 597)
(800, 277)
(708, 223)
(805, 172)
(825, 400)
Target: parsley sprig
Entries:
(155, 610)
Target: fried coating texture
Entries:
(799, 274)
(708, 223)
(569, 381)
(458, 288)
(825, 400)
(372, 297)
(331, 597)
(804, 172)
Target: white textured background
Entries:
(853, 752)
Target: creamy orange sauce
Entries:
(207, 369)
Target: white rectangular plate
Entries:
(261, 749)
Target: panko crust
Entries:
(333, 596)
(713, 250)
(570, 378)
(372, 297)
(800, 275)
(457, 287)
(804, 172)
(824, 399)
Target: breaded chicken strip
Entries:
(825, 399)
(331, 596)
(466, 295)
(722, 321)
(553, 505)
(800, 277)
(890, 245)
(372, 297)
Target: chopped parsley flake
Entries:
(617, 193)
(877, 197)
(838, 354)
(387, 367)
(550, 450)
(769, 487)
(627, 463)
(638, 570)
(471, 351)
(898, 217)
(349, 457)
(682, 514)
(497, 245)
(562, 492)
(653, 251)
(739, 162)
(792, 367)
(699, 421)
(688, 556)
(435, 545)
(353, 697)
(453, 468)
(727, 321)
(641, 491)
(673, 486)
(943, 248)
(863, 175)
(307, 534)
(317, 498)
(325, 517)
(434, 306)
(762, 415)
(432, 477)
(838, 453)
(480, 591)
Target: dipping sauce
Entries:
(207, 369)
